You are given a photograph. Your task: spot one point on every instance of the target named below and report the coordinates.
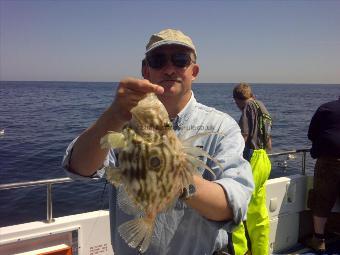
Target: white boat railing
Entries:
(50, 182)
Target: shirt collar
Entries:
(185, 113)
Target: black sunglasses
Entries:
(159, 60)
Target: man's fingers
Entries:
(129, 92)
(143, 86)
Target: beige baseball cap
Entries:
(170, 37)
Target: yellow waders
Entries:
(257, 222)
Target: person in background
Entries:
(255, 124)
(201, 219)
(324, 132)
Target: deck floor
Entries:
(332, 245)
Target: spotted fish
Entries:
(153, 168)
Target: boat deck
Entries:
(89, 233)
(332, 245)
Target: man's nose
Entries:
(169, 68)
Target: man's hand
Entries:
(129, 92)
(87, 155)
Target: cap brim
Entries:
(162, 43)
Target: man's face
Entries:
(175, 80)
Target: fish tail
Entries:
(137, 233)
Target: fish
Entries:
(154, 166)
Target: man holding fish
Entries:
(177, 189)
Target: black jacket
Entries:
(324, 130)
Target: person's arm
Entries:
(247, 122)
(87, 155)
(210, 200)
(314, 125)
(245, 137)
(227, 197)
(269, 145)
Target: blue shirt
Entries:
(182, 230)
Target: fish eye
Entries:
(168, 125)
(155, 162)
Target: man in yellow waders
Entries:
(255, 123)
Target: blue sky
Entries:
(253, 41)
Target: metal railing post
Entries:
(304, 157)
(49, 203)
(48, 183)
(304, 163)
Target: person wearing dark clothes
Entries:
(324, 132)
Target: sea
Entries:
(41, 118)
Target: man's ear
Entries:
(195, 71)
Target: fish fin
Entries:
(196, 152)
(137, 233)
(112, 140)
(113, 175)
(199, 163)
(189, 141)
(126, 204)
(172, 203)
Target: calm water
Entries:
(41, 118)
